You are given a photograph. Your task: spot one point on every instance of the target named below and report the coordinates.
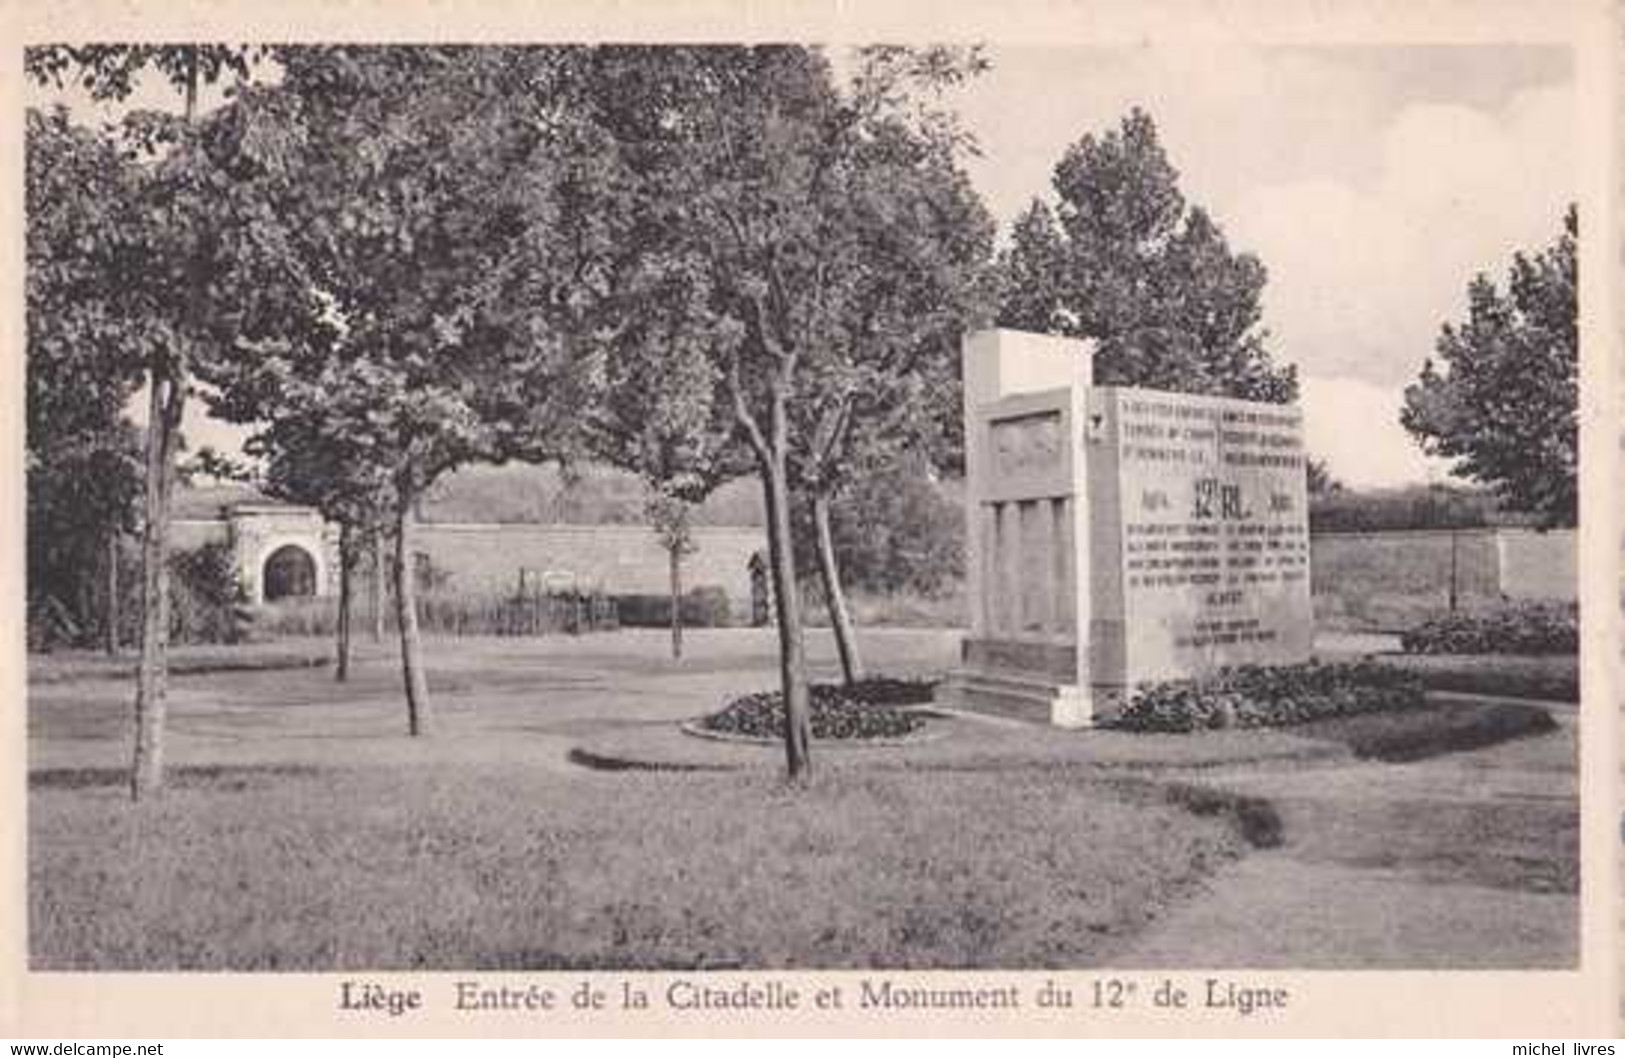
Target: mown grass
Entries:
(1513, 844)
(507, 867)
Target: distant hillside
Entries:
(210, 501)
(522, 493)
(598, 495)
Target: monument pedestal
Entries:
(1034, 680)
(1119, 536)
(1018, 696)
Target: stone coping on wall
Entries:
(1484, 530)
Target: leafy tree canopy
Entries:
(1500, 396)
(426, 277)
(1124, 260)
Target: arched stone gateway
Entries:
(282, 551)
(486, 558)
(290, 572)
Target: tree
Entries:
(887, 382)
(169, 294)
(1123, 260)
(426, 201)
(671, 516)
(1319, 480)
(755, 185)
(657, 417)
(312, 461)
(1501, 397)
(896, 528)
(83, 464)
(81, 501)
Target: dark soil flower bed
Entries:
(1257, 696)
(864, 712)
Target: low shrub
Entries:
(205, 599)
(1258, 696)
(1547, 677)
(1520, 628)
(294, 616)
(702, 607)
(866, 711)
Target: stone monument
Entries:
(1120, 536)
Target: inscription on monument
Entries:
(1214, 531)
(1121, 536)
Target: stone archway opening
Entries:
(290, 572)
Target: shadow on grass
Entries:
(586, 758)
(1254, 819)
(1545, 677)
(1403, 737)
(223, 777)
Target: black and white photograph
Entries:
(723, 508)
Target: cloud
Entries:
(1354, 426)
(1362, 275)
(1373, 182)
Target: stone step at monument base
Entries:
(1015, 695)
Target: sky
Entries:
(1373, 182)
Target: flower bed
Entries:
(1256, 696)
(1524, 628)
(866, 712)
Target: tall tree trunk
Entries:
(164, 406)
(840, 619)
(341, 668)
(675, 559)
(377, 590)
(406, 616)
(110, 607)
(165, 403)
(787, 607)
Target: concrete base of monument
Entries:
(1029, 697)
(1027, 679)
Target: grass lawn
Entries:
(188, 659)
(304, 831)
(513, 867)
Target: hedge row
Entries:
(704, 607)
(1256, 696)
(1523, 628)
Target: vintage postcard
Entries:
(1081, 519)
